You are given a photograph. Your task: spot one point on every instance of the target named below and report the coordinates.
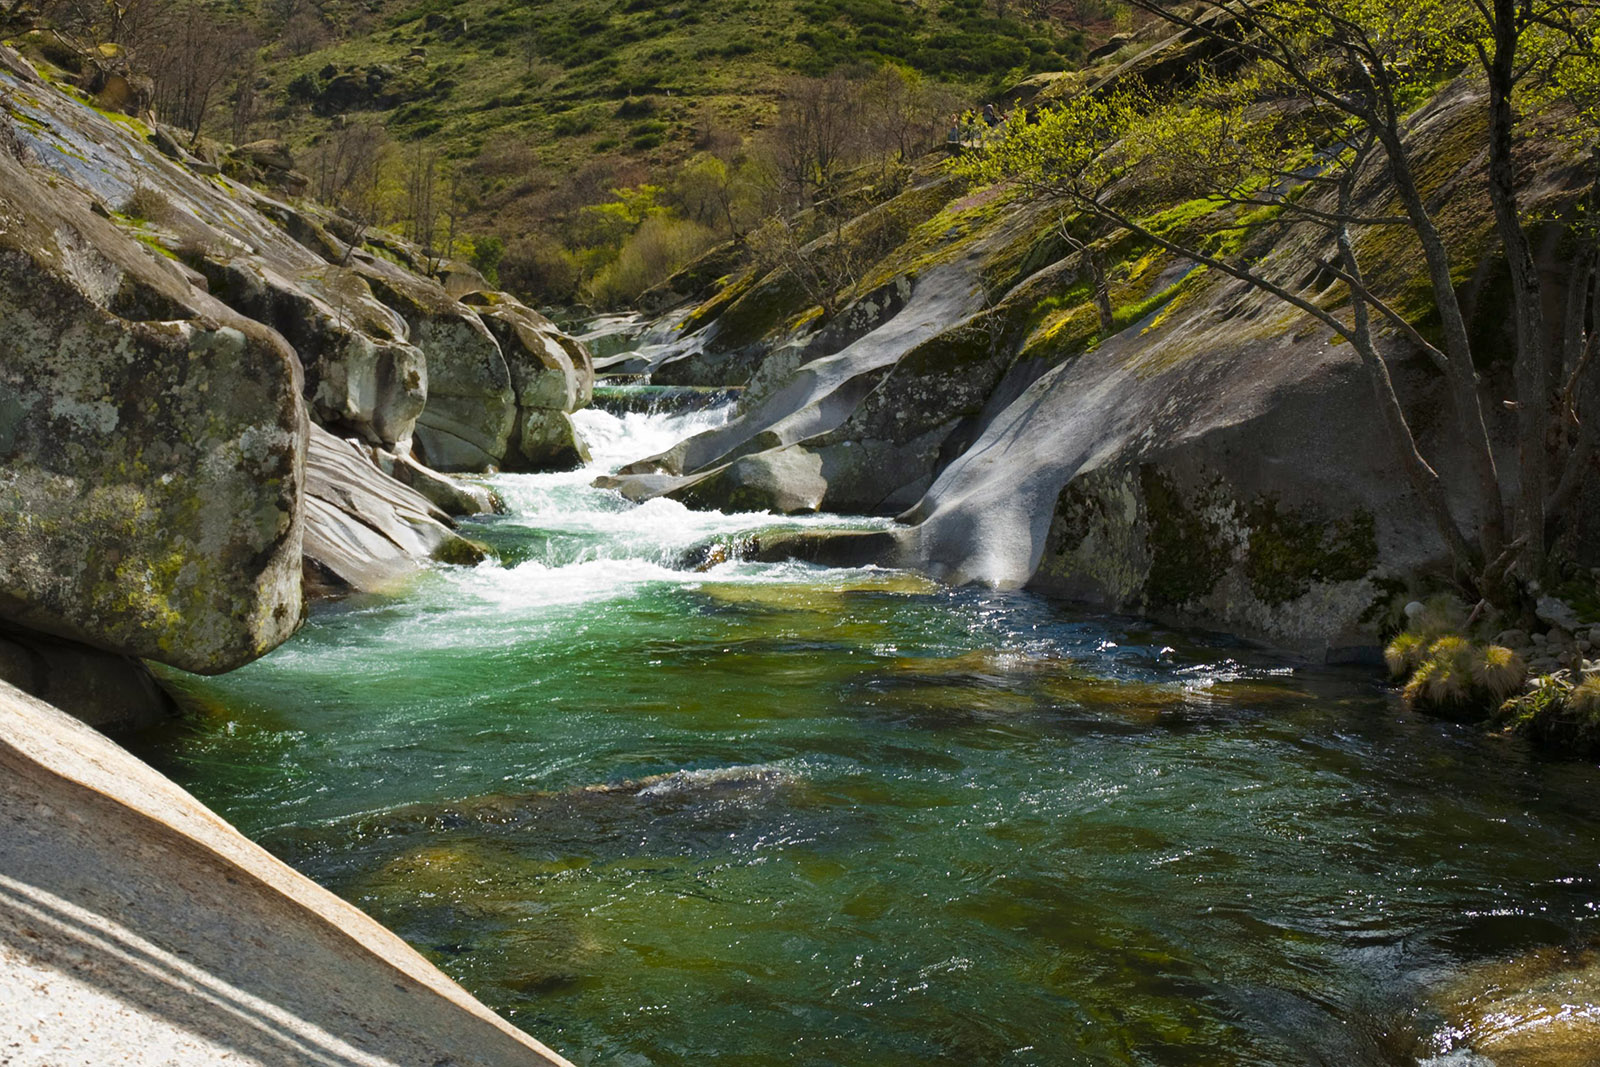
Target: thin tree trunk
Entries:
(1095, 264)
(1533, 371)
(1425, 481)
(1102, 289)
(1462, 375)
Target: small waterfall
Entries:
(575, 542)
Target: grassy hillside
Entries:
(640, 79)
(590, 147)
(542, 109)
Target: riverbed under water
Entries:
(778, 814)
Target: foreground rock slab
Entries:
(138, 927)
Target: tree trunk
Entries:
(1102, 291)
(1533, 370)
(1425, 481)
(1462, 375)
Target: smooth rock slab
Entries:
(366, 531)
(137, 927)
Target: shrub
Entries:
(1500, 672)
(1447, 673)
(1406, 653)
(1585, 698)
(657, 250)
(1443, 680)
(487, 252)
(1558, 714)
(540, 270)
(147, 204)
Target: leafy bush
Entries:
(487, 252)
(539, 268)
(658, 249)
(1448, 673)
(147, 204)
(1557, 713)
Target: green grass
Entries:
(563, 76)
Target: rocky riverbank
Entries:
(1214, 456)
(218, 397)
(216, 401)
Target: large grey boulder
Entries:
(390, 354)
(1225, 488)
(788, 481)
(136, 926)
(151, 446)
(472, 408)
(552, 375)
(361, 375)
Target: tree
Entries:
(347, 173)
(192, 61)
(132, 24)
(905, 114)
(818, 135)
(1313, 131)
(824, 267)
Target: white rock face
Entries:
(136, 927)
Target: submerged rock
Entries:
(1538, 1010)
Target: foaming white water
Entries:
(615, 440)
(596, 545)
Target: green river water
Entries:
(774, 814)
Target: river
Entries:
(777, 814)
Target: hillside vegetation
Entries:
(540, 139)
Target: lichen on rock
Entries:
(151, 476)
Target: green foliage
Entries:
(1454, 676)
(1447, 672)
(957, 39)
(487, 252)
(148, 204)
(659, 248)
(539, 264)
(1558, 714)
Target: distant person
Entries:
(991, 117)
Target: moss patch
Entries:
(1189, 549)
(1287, 552)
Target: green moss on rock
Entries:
(1288, 551)
(1189, 549)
